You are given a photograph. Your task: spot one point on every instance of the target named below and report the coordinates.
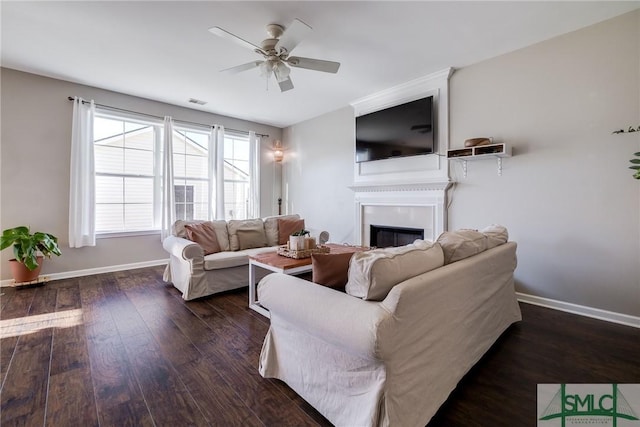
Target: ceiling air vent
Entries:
(197, 101)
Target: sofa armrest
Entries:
(332, 316)
(182, 248)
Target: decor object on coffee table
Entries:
(27, 263)
(297, 240)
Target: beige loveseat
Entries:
(392, 359)
(197, 275)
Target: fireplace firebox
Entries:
(384, 237)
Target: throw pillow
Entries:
(242, 224)
(252, 238)
(372, 274)
(271, 227)
(220, 226)
(331, 270)
(496, 235)
(461, 244)
(287, 226)
(204, 235)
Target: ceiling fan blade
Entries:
(314, 64)
(294, 34)
(285, 85)
(243, 67)
(227, 35)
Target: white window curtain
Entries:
(168, 197)
(217, 139)
(82, 222)
(254, 179)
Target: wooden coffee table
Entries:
(281, 264)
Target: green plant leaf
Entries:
(635, 160)
(637, 154)
(634, 167)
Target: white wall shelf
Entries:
(480, 152)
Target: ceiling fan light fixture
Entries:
(281, 72)
(266, 68)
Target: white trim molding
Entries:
(595, 313)
(96, 270)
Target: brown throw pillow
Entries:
(286, 227)
(204, 235)
(331, 270)
(252, 238)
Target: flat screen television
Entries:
(399, 131)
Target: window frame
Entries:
(156, 176)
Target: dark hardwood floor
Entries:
(123, 349)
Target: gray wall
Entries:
(34, 174)
(317, 169)
(566, 195)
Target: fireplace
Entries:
(384, 237)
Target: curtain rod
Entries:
(70, 98)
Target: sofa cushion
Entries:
(230, 259)
(245, 224)
(252, 238)
(331, 270)
(496, 235)
(372, 274)
(461, 244)
(288, 226)
(271, 227)
(204, 235)
(220, 226)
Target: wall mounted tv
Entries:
(399, 131)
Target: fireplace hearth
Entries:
(384, 237)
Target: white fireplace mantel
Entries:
(400, 187)
(415, 205)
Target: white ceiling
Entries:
(163, 51)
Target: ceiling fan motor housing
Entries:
(274, 30)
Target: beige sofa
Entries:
(197, 275)
(392, 361)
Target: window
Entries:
(125, 161)
(236, 176)
(191, 174)
(128, 160)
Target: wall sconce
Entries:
(278, 151)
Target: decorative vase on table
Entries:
(296, 243)
(297, 240)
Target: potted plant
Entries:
(297, 239)
(29, 251)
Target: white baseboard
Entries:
(596, 313)
(97, 270)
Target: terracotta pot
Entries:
(22, 274)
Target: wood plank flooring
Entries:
(123, 349)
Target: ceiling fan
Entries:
(276, 50)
